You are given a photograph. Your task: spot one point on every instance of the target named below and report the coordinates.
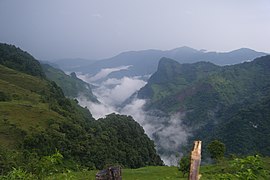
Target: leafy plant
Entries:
(216, 150)
(50, 164)
(17, 174)
(184, 165)
(249, 168)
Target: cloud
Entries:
(98, 110)
(105, 72)
(116, 91)
(166, 130)
(111, 93)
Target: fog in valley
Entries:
(98, 39)
(119, 96)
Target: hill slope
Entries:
(15, 58)
(215, 101)
(72, 86)
(36, 120)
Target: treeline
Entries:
(15, 58)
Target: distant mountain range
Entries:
(229, 103)
(145, 62)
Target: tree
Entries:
(184, 165)
(216, 150)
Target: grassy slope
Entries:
(35, 116)
(160, 172)
(24, 112)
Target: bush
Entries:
(184, 165)
(216, 150)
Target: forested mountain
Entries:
(228, 103)
(72, 86)
(36, 119)
(15, 58)
(145, 62)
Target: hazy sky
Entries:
(52, 29)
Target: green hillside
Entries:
(218, 102)
(13, 57)
(172, 78)
(37, 122)
(72, 86)
(223, 170)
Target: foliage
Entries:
(15, 58)
(17, 174)
(216, 150)
(184, 165)
(230, 103)
(49, 164)
(249, 168)
(38, 118)
(224, 170)
(72, 86)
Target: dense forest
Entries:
(229, 103)
(38, 121)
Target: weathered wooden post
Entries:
(195, 161)
(111, 173)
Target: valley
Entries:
(134, 90)
(182, 102)
(174, 106)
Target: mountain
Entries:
(171, 77)
(37, 120)
(72, 86)
(216, 102)
(145, 62)
(70, 63)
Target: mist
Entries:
(167, 131)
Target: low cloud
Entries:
(114, 92)
(167, 131)
(105, 72)
(98, 110)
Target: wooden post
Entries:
(195, 161)
(111, 173)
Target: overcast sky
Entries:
(94, 29)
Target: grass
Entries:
(145, 173)
(153, 173)
(208, 172)
(24, 111)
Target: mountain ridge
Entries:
(145, 62)
(205, 98)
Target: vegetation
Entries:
(228, 169)
(216, 150)
(72, 86)
(229, 103)
(184, 165)
(15, 58)
(41, 128)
